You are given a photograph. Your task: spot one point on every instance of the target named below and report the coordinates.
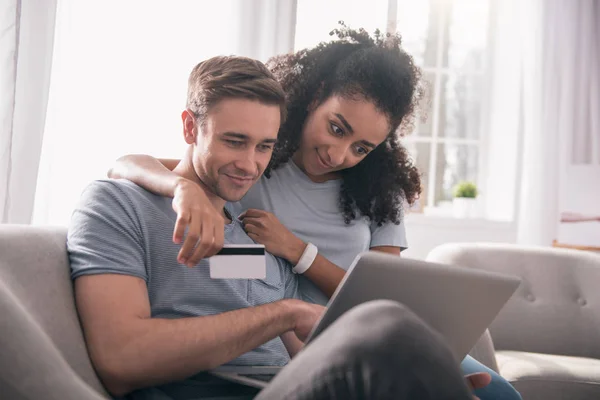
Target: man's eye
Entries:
(234, 143)
(337, 131)
(265, 147)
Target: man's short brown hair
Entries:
(229, 77)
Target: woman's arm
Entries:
(326, 275)
(205, 226)
(264, 227)
(387, 249)
(155, 175)
(323, 273)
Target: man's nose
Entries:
(246, 164)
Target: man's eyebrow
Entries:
(242, 136)
(346, 124)
(236, 135)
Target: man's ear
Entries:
(190, 130)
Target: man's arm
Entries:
(131, 350)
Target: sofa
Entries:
(42, 349)
(546, 340)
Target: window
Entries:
(448, 39)
(316, 18)
(119, 81)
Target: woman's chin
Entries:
(316, 172)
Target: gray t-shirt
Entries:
(311, 211)
(120, 228)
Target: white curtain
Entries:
(267, 28)
(560, 106)
(9, 18)
(544, 109)
(26, 37)
(119, 81)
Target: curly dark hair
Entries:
(357, 65)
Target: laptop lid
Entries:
(460, 303)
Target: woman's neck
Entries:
(297, 159)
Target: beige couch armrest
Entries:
(556, 310)
(31, 367)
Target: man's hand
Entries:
(264, 228)
(205, 225)
(305, 316)
(478, 380)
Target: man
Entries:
(152, 325)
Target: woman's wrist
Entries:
(295, 251)
(180, 184)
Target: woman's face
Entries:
(338, 134)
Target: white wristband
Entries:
(307, 259)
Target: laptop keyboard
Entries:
(260, 377)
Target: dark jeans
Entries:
(378, 350)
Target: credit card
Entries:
(239, 261)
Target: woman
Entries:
(338, 177)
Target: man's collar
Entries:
(228, 215)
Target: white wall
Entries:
(425, 233)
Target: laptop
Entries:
(460, 303)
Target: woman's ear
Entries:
(190, 130)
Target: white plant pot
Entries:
(463, 207)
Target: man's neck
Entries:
(185, 169)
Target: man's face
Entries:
(234, 145)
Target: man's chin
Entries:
(232, 196)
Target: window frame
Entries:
(438, 71)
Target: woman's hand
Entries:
(264, 228)
(205, 225)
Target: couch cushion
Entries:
(484, 351)
(543, 376)
(34, 268)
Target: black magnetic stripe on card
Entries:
(242, 251)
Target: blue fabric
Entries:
(498, 389)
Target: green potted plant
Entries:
(464, 204)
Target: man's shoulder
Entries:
(119, 189)
(121, 199)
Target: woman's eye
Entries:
(362, 151)
(337, 130)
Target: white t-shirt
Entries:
(311, 211)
